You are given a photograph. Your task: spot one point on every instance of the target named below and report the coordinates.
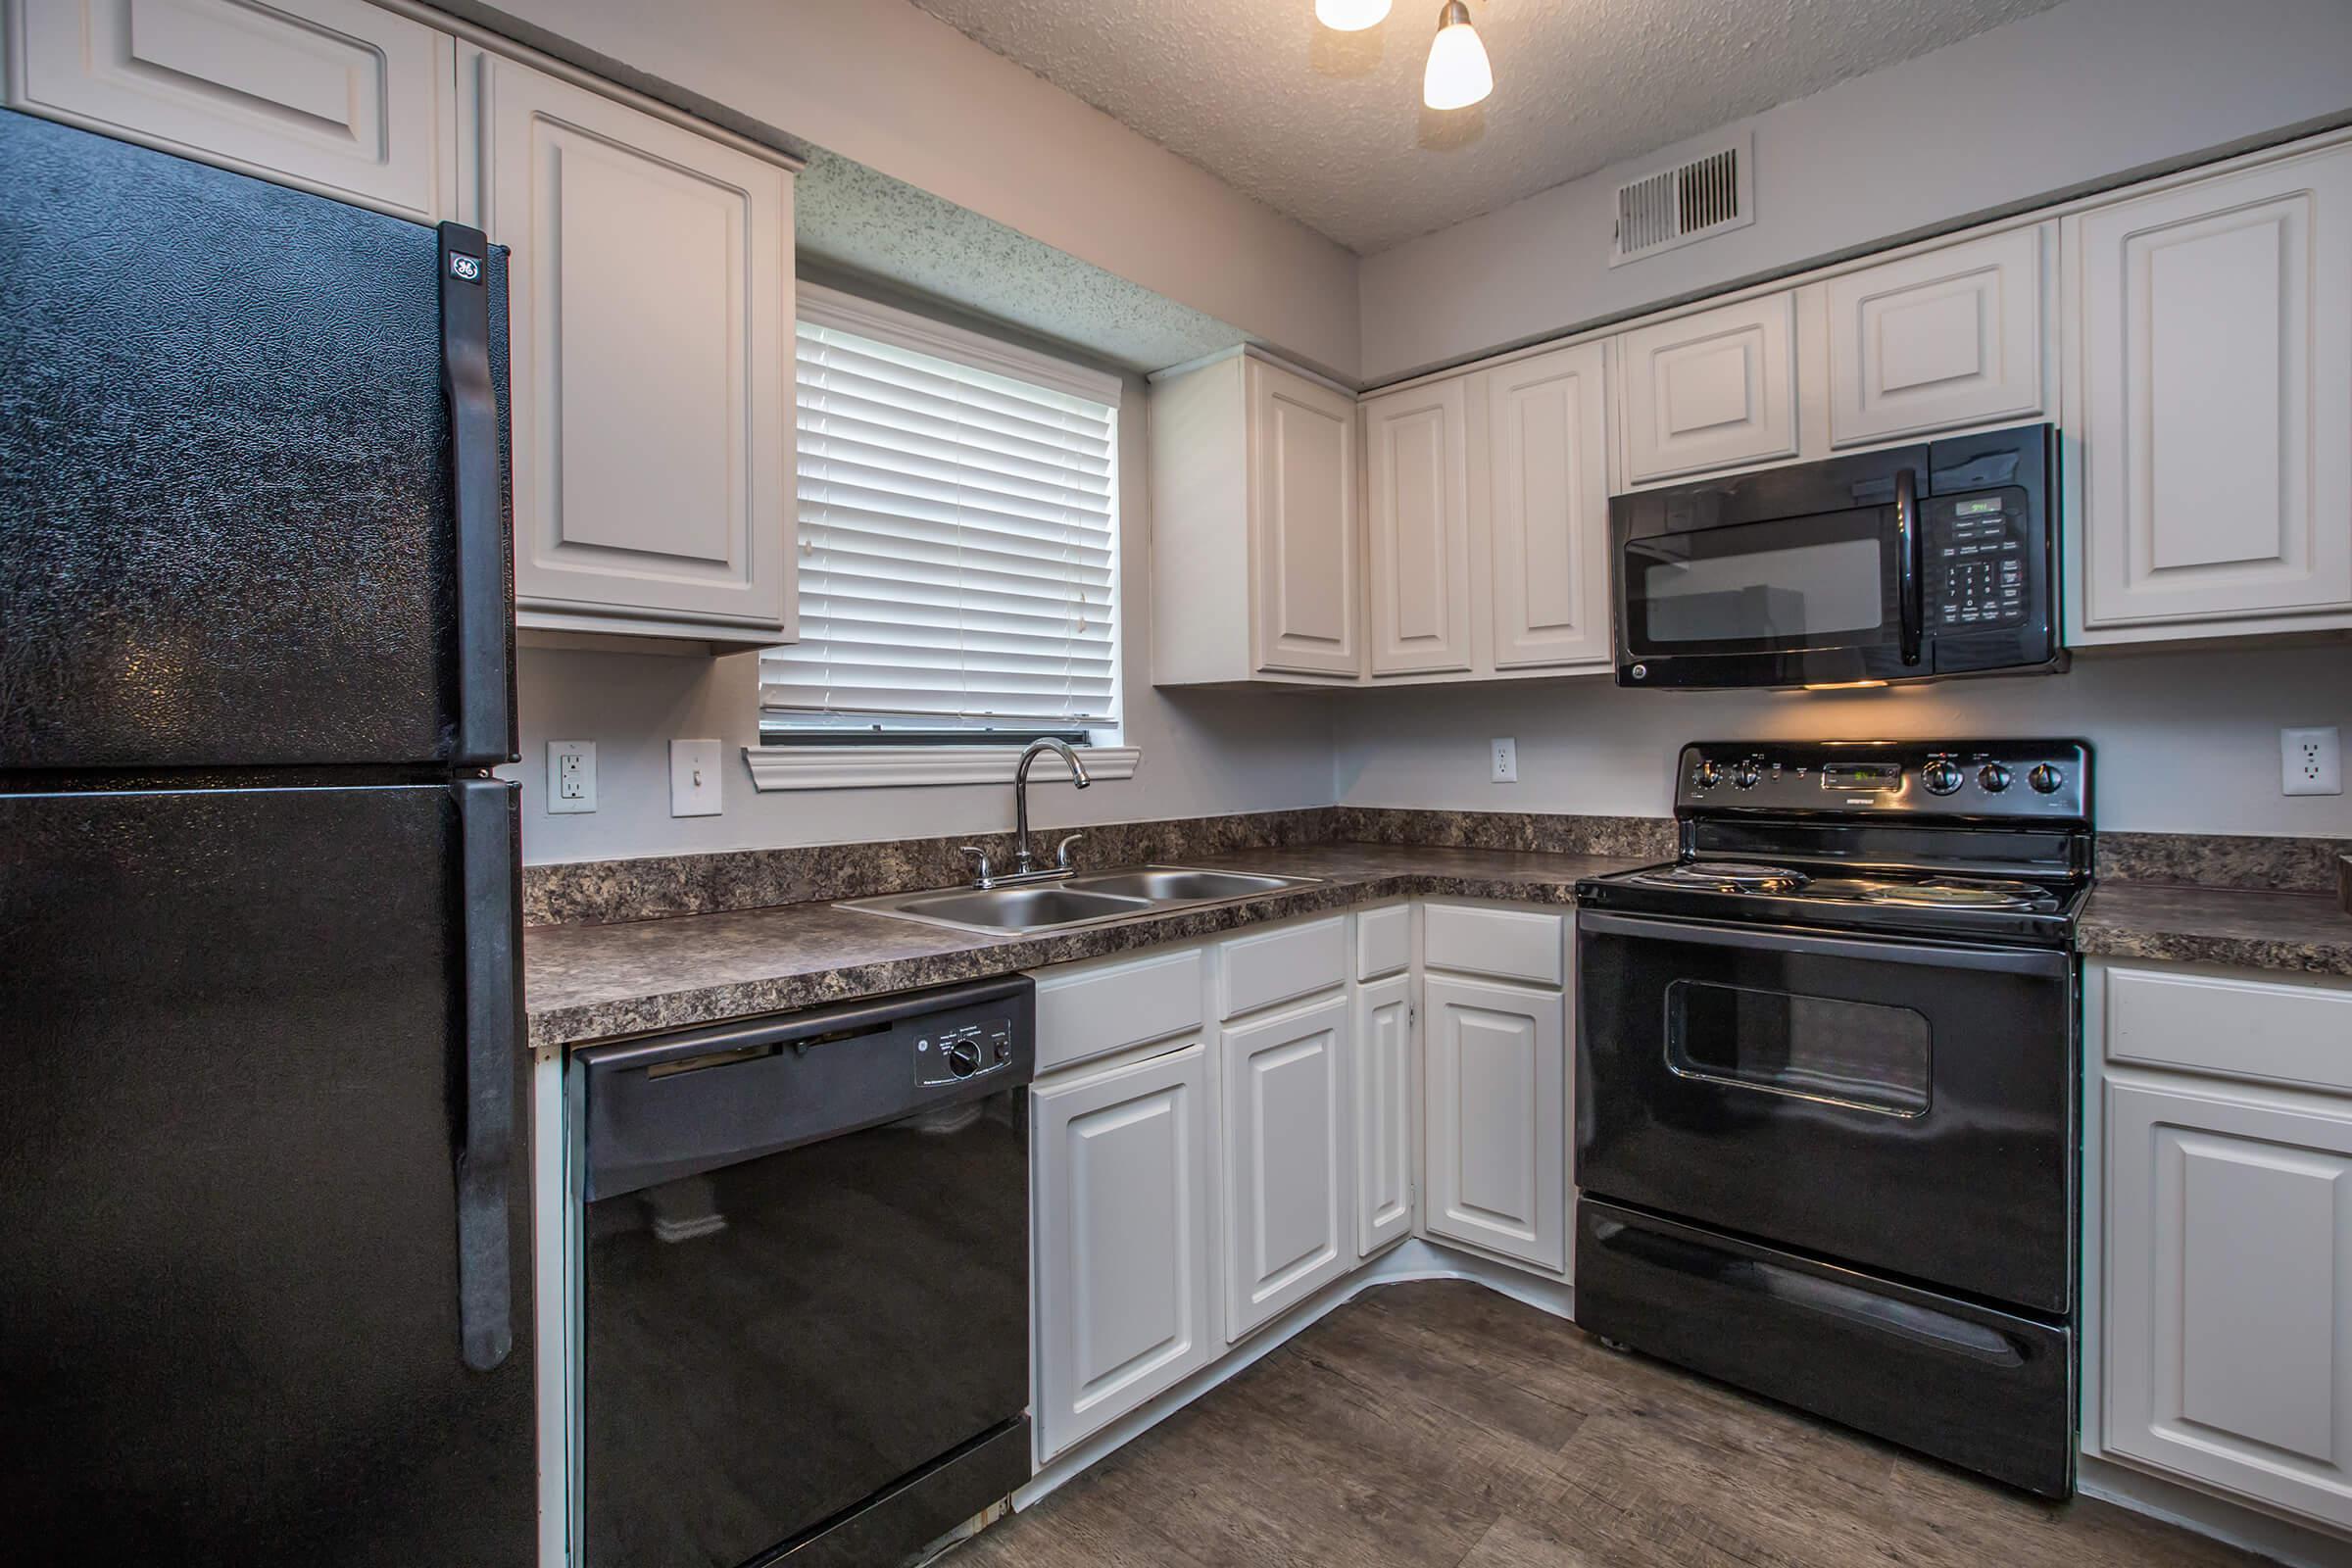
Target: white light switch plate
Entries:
(571, 775)
(1505, 769)
(2311, 761)
(694, 778)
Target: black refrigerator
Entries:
(265, 1196)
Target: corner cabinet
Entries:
(337, 97)
(1256, 564)
(2213, 408)
(650, 307)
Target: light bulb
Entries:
(1458, 74)
(1350, 16)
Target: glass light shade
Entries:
(1458, 74)
(1350, 16)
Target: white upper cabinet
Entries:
(1303, 526)
(334, 96)
(1418, 535)
(653, 386)
(1547, 504)
(1121, 1185)
(1256, 570)
(1712, 390)
(2228, 1291)
(1946, 339)
(2213, 405)
(1289, 1218)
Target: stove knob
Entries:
(1994, 777)
(2047, 779)
(1710, 774)
(1747, 775)
(963, 1057)
(1941, 777)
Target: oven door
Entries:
(1903, 1106)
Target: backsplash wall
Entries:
(2185, 741)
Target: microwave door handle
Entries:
(1907, 560)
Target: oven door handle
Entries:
(1692, 933)
(1907, 546)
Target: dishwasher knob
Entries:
(1941, 776)
(2046, 779)
(1994, 777)
(963, 1059)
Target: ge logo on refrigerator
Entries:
(469, 267)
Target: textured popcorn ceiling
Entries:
(1329, 127)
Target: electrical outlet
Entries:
(694, 778)
(571, 775)
(1505, 760)
(2311, 761)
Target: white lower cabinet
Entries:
(2227, 1349)
(1381, 1093)
(1496, 1149)
(1289, 1214)
(1122, 1202)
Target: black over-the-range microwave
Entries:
(1907, 564)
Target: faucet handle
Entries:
(980, 875)
(1062, 851)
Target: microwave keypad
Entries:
(1977, 568)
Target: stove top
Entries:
(1959, 840)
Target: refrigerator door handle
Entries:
(485, 729)
(491, 932)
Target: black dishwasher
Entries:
(805, 1284)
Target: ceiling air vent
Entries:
(1673, 206)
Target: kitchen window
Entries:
(959, 557)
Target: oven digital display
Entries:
(1861, 776)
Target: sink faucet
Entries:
(1020, 800)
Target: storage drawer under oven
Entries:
(1904, 1107)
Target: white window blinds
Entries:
(958, 532)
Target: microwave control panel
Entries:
(1976, 559)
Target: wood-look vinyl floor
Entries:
(1440, 1425)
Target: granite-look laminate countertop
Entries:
(597, 981)
(2254, 928)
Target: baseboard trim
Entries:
(2297, 1545)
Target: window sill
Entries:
(866, 767)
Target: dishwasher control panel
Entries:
(966, 1051)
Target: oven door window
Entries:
(1825, 580)
(1862, 1055)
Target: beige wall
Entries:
(2082, 93)
(891, 87)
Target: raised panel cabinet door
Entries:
(1713, 390)
(1548, 482)
(1121, 1176)
(2228, 1291)
(1381, 1088)
(2215, 399)
(1496, 1143)
(1418, 545)
(338, 97)
(1949, 338)
(1287, 1181)
(1303, 525)
(652, 311)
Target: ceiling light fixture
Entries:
(1350, 16)
(1459, 74)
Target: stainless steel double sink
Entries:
(1086, 898)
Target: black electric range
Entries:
(1827, 1089)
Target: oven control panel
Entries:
(1976, 559)
(966, 1051)
(2035, 780)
